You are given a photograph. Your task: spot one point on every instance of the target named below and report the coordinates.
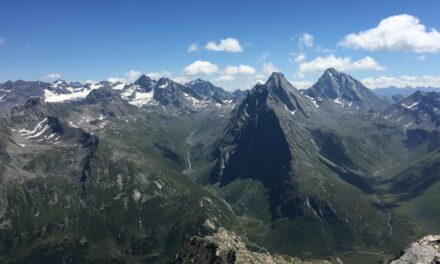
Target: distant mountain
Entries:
(208, 90)
(339, 88)
(404, 91)
(18, 92)
(420, 109)
(144, 92)
(240, 94)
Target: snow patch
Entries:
(338, 100)
(119, 86)
(159, 186)
(141, 98)
(136, 195)
(75, 94)
(209, 224)
(36, 132)
(313, 100)
(411, 106)
(291, 112)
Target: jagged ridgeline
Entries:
(129, 172)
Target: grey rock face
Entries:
(225, 247)
(419, 110)
(344, 90)
(426, 250)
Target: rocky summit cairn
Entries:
(426, 250)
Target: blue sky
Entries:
(97, 40)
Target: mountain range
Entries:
(129, 172)
(403, 91)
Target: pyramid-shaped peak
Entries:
(276, 77)
(345, 91)
(199, 82)
(331, 71)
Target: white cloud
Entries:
(2, 40)
(200, 68)
(51, 77)
(158, 75)
(229, 45)
(320, 64)
(241, 69)
(301, 85)
(399, 32)
(297, 57)
(224, 78)
(181, 79)
(193, 47)
(231, 70)
(269, 68)
(402, 81)
(115, 79)
(246, 69)
(133, 75)
(306, 40)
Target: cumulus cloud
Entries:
(297, 57)
(133, 75)
(339, 63)
(269, 68)
(241, 69)
(200, 68)
(158, 75)
(115, 79)
(181, 79)
(301, 85)
(229, 45)
(224, 78)
(305, 40)
(193, 47)
(399, 32)
(51, 77)
(402, 81)
(2, 40)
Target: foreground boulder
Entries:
(225, 247)
(426, 250)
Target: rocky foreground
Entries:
(225, 247)
(426, 250)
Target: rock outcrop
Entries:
(426, 250)
(225, 247)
